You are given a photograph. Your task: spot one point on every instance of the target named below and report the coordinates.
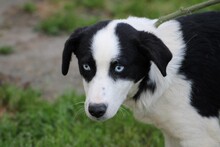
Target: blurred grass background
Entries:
(27, 120)
(67, 14)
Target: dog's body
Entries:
(169, 76)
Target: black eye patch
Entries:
(132, 70)
(90, 64)
(136, 66)
(117, 70)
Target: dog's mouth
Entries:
(100, 119)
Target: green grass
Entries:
(29, 7)
(6, 50)
(91, 3)
(30, 121)
(65, 20)
(77, 13)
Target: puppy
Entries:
(169, 76)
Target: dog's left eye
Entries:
(86, 67)
(119, 68)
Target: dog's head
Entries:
(112, 56)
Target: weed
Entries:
(29, 7)
(91, 4)
(64, 21)
(6, 50)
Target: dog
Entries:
(168, 76)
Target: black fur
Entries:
(145, 84)
(156, 50)
(138, 48)
(136, 65)
(70, 46)
(80, 44)
(201, 63)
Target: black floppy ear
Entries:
(156, 50)
(70, 47)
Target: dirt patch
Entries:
(2, 111)
(36, 60)
(8, 79)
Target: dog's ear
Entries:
(70, 47)
(152, 47)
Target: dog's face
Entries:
(112, 58)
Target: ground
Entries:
(36, 60)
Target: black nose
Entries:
(97, 110)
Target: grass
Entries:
(28, 120)
(71, 14)
(6, 50)
(29, 7)
(63, 22)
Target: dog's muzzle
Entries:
(97, 110)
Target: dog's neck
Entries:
(134, 89)
(147, 90)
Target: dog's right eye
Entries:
(86, 67)
(119, 68)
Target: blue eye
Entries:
(86, 67)
(119, 68)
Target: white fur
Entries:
(169, 106)
(102, 88)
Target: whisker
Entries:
(80, 111)
(120, 113)
(79, 103)
(123, 112)
(126, 112)
(191, 38)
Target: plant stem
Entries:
(185, 11)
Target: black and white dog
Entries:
(169, 76)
